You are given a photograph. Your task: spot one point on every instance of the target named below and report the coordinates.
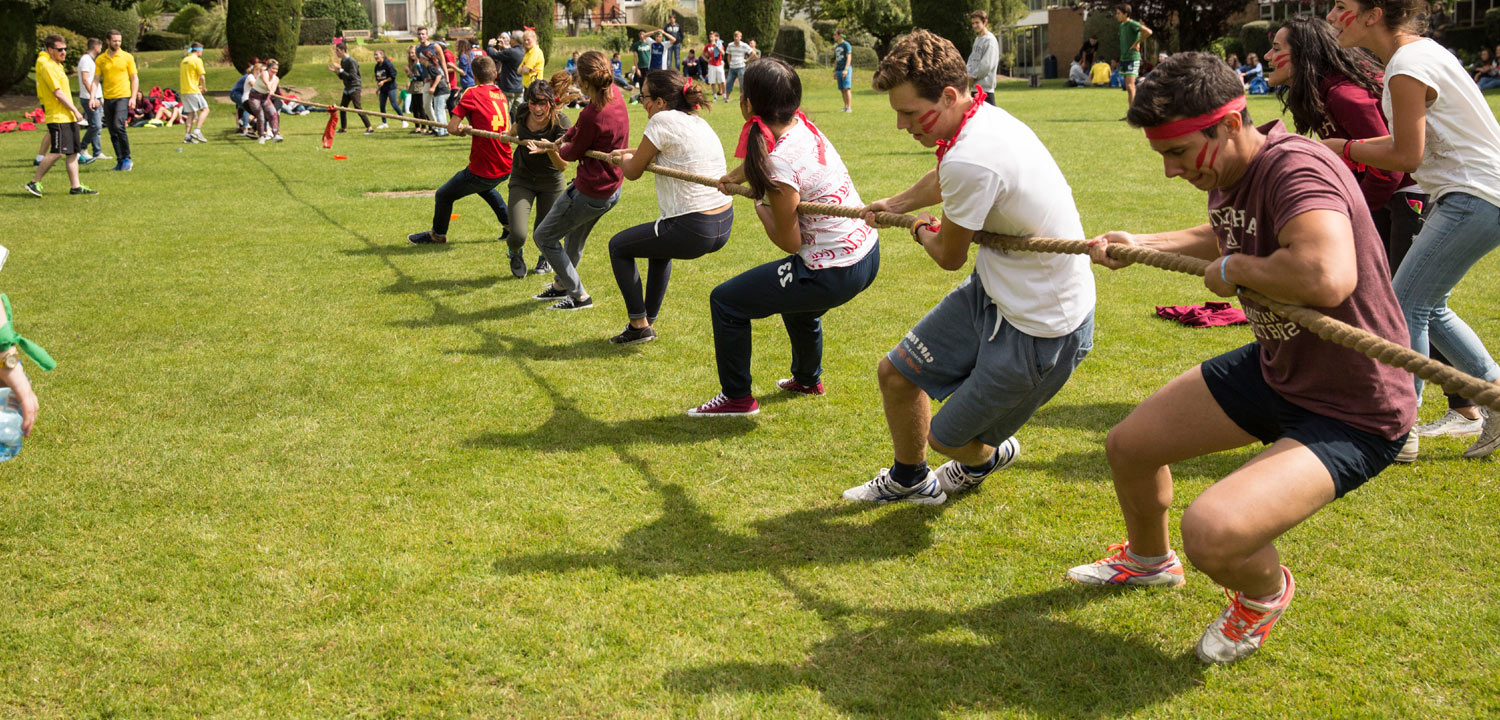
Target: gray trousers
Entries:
(524, 196)
(572, 218)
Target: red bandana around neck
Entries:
(943, 146)
(1178, 128)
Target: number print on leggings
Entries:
(784, 272)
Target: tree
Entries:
(17, 41)
(346, 14)
(263, 29)
(502, 15)
(885, 20)
(1181, 24)
(578, 10)
(757, 19)
(452, 12)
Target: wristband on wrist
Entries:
(935, 226)
(1224, 270)
(1347, 143)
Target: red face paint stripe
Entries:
(928, 120)
(1346, 18)
(1199, 164)
(1215, 157)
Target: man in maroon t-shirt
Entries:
(484, 106)
(1287, 219)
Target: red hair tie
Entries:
(528, 27)
(1178, 128)
(753, 123)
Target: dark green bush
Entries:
(1492, 27)
(1104, 26)
(759, 20)
(92, 19)
(263, 29)
(825, 29)
(690, 24)
(948, 18)
(346, 14)
(865, 58)
(1255, 38)
(186, 18)
(317, 31)
(797, 43)
(77, 44)
(162, 40)
(514, 14)
(17, 42)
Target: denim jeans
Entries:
(463, 184)
(572, 217)
(1489, 83)
(734, 74)
(95, 120)
(437, 111)
(1461, 230)
(387, 93)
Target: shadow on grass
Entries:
(1096, 417)
(1016, 653)
(443, 315)
(447, 286)
(498, 345)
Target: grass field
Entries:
(290, 466)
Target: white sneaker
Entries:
(261, 140)
(952, 477)
(885, 489)
(1451, 424)
(1409, 451)
(102, 156)
(403, 125)
(277, 137)
(199, 134)
(1243, 626)
(381, 126)
(1119, 568)
(1489, 438)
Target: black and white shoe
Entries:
(517, 264)
(572, 303)
(551, 292)
(542, 266)
(633, 335)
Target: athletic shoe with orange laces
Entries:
(1120, 569)
(1244, 625)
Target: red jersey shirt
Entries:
(484, 107)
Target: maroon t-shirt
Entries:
(1354, 113)
(1292, 175)
(598, 128)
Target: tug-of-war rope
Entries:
(1335, 331)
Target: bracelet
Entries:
(935, 226)
(1347, 143)
(1223, 270)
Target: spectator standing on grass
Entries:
(1090, 51)
(843, 68)
(533, 63)
(348, 71)
(1132, 32)
(61, 116)
(385, 87)
(463, 59)
(713, 65)
(659, 47)
(416, 72)
(437, 91)
(121, 85)
(536, 180)
(643, 51)
(191, 83)
(674, 33)
(735, 52)
(484, 107)
(507, 55)
(985, 57)
(754, 53)
(91, 97)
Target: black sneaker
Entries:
(35, 188)
(83, 190)
(369, 131)
(542, 266)
(425, 238)
(633, 335)
(550, 293)
(517, 264)
(571, 303)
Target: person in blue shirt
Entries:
(843, 70)
(572, 66)
(659, 47)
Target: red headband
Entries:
(1178, 128)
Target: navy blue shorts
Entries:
(1351, 455)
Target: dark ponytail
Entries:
(774, 92)
(674, 89)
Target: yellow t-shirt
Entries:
(49, 79)
(1099, 73)
(115, 73)
(188, 74)
(532, 65)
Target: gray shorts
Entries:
(992, 379)
(192, 103)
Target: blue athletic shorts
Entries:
(992, 376)
(846, 82)
(1351, 455)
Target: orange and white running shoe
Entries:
(1120, 569)
(1243, 626)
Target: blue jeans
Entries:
(1461, 230)
(463, 184)
(572, 217)
(388, 93)
(1489, 83)
(788, 288)
(734, 74)
(95, 120)
(437, 111)
(674, 57)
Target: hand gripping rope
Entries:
(1335, 331)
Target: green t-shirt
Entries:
(1130, 34)
(643, 54)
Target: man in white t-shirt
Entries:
(735, 53)
(1006, 340)
(91, 95)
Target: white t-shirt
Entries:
(808, 164)
(1462, 149)
(86, 65)
(736, 52)
(686, 142)
(999, 177)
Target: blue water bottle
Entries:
(10, 424)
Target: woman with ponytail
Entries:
(695, 220)
(831, 259)
(603, 126)
(536, 180)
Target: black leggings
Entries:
(682, 238)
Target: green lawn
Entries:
(290, 466)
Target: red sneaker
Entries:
(792, 386)
(722, 406)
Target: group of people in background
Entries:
(108, 94)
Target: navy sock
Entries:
(908, 475)
(983, 469)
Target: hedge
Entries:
(1103, 26)
(1492, 26)
(689, 23)
(797, 43)
(317, 31)
(264, 29)
(17, 44)
(77, 44)
(91, 19)
(1467, 39)
(759, 20)
(865, 58)
(500, 15)
(346, 14)
(949, 19)
(188, 16)
(163, 40)
(1255, 37)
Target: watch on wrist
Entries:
(10, 359)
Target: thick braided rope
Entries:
(1340, 333)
